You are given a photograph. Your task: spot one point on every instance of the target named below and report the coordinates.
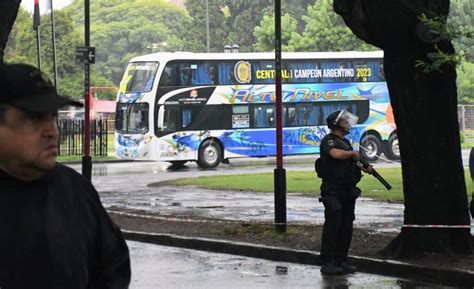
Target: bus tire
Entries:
(210, 154)
(393, 151)
(371, 148)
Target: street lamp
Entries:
(227, 48)
(208, 45)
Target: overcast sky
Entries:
(29, 4)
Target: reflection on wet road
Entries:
(167, 267)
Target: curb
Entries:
(392, 268)
(97, 161)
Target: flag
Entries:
(36, 15)
(49, 4)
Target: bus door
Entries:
(175, 128)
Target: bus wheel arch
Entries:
(392, 150)
(210, 153)
(371, 146)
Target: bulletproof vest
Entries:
(344, 173)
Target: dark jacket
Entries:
(336, 173)
(86, 249)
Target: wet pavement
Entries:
(156, 266)
(124, 185)
(248, 207)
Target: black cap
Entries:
(27, 88)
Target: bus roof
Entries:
(167, 56)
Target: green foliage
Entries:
(122, 29)
(22, 48)
(324, 30)
(196, 28)
(440, 30)
(461, 17)
(265, 33)
(465, 83)
(243, 16)
(438, 60)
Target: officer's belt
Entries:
(327, 185)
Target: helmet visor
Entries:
(347, 119)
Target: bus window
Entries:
(188, 116)
(225, 72)
(132, 117)
(170, 119)
(185, 75)
(359, 108)
(212, 74)
(139, 77)
(264, 116)
(306, 114)
(197, 73)
(240, 109)
(169, 77)
(289, 116)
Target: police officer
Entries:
(340, 171)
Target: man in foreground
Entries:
(54, 232)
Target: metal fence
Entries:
(71, 136)
(466, 117)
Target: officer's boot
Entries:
(347, 268)
(331, 269)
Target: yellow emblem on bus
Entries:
(242, 72)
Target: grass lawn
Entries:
(305, 182)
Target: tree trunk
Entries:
(425, 110)
(9, 10)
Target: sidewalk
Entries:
(451, 276)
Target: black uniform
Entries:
(55, 234)
(338, 192)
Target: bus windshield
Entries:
(132, 118)
(139, 77)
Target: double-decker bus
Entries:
(210, 107)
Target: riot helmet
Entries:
(341, 119)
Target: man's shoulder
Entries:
(65, 171)
(328, 139)
(63, 176)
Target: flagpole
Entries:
(279, 172)
(36, 26)
(38, 46)
(53, 39)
